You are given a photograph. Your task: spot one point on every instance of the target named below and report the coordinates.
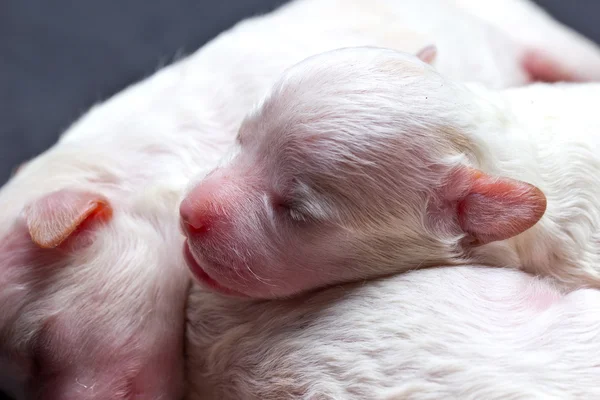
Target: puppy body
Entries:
(443, 333)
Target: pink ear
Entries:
(427, 54)
(492, 208)
(56, 216)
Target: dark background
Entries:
(58, 57)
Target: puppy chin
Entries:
(203, 278)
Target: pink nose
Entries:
(197, 210)
(193, 222)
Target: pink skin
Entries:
(219, 269)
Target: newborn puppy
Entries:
(363, 162)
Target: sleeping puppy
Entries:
(93, 285)
(364, 162)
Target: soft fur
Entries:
(463, 333)
(93, 301)
(364, 162)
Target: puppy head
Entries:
(357, 164)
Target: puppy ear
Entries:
(491, 208)
(428, 54)
(57, 216)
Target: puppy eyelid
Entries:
(288, 206)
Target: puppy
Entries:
(364, 162)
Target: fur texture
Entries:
(447, 333)
(99, 313)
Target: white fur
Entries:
(448, 333)
(548, 135)
(108, 321)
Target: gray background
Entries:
(58, 57)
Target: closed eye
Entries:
(288, 207)
(295, 213)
